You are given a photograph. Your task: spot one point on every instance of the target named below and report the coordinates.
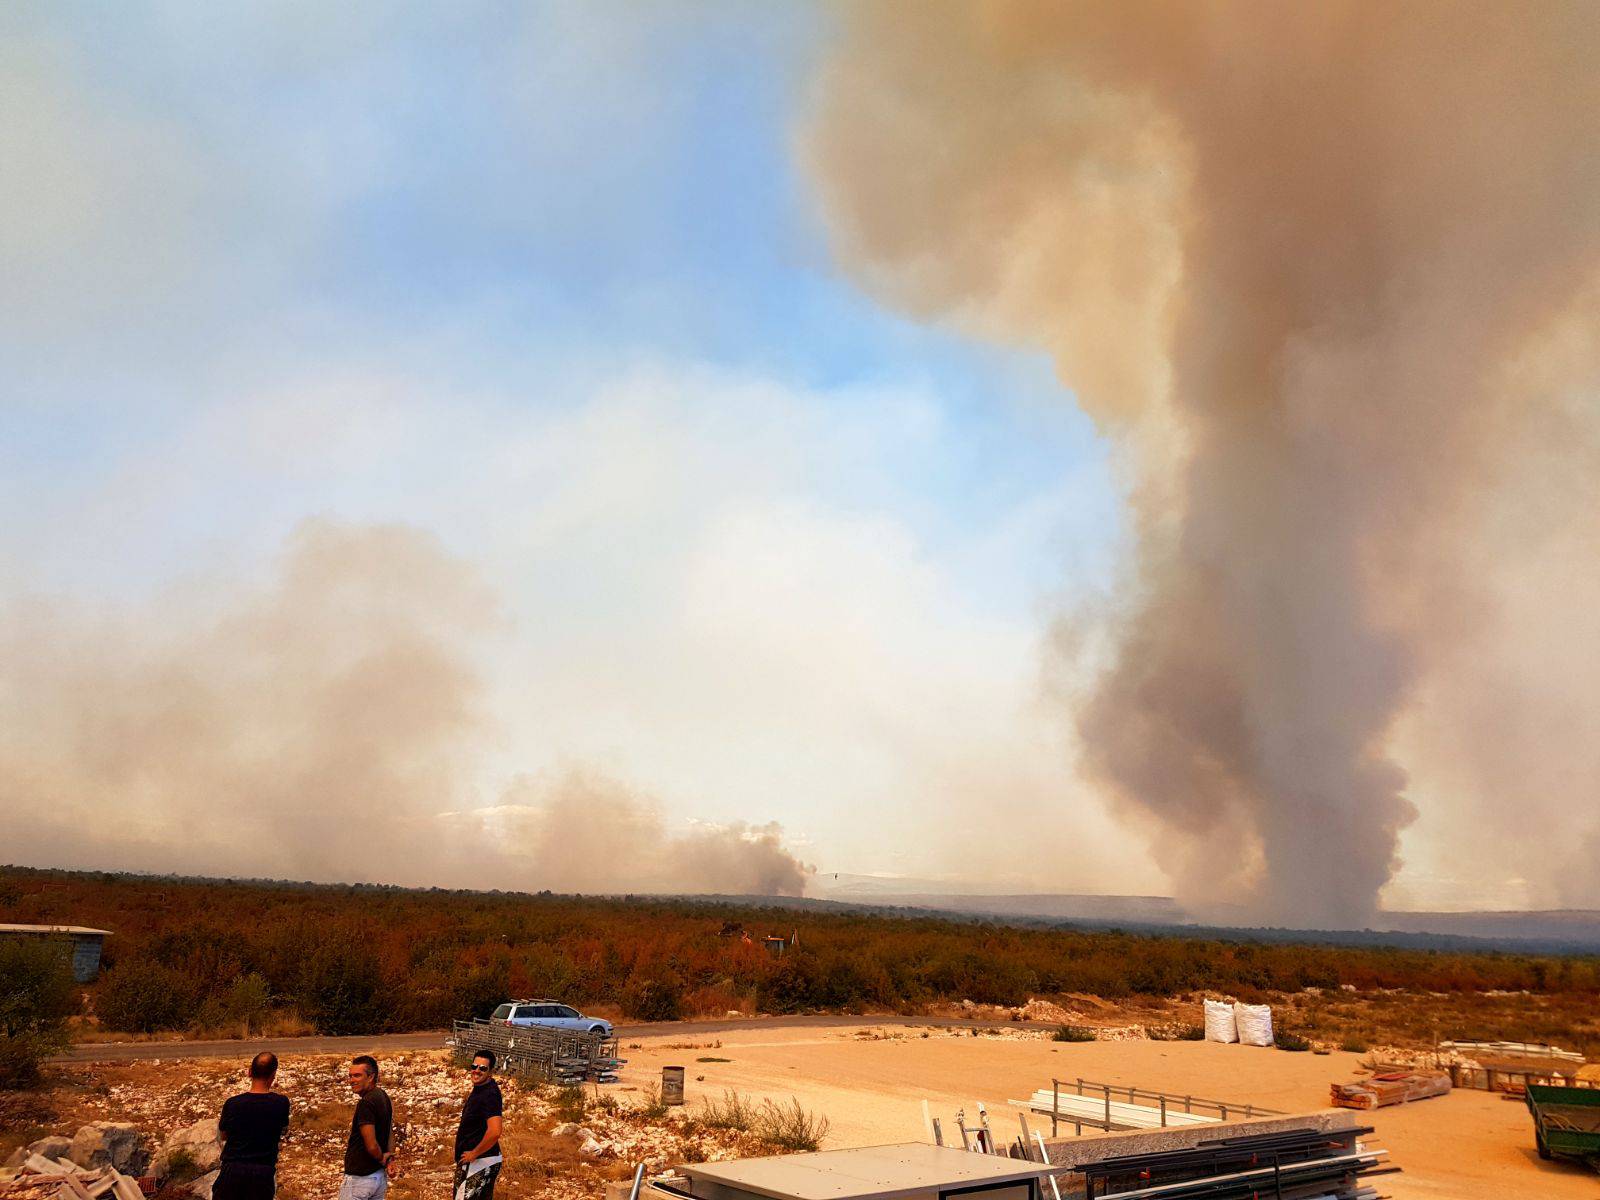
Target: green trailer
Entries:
(1566, 1122)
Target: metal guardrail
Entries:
(537, 1052)
(1161, 1105)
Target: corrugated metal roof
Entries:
(53, 929)
(865, 1171)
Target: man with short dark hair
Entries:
(368, 1151)
(478, 1136)
(251, 1127)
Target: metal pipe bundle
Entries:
(1294, 1165)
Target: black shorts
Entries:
(245, 1181)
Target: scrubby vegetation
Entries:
(36, 997)
(789, 1126)
(357, 959)
(1176, 1033)
(779, 1126)
(1073, 1033)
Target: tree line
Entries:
(208, 954)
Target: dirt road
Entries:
(433, 1039)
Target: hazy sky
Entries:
(547, 285)
(545, 281)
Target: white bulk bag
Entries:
(1254, 1023)
(1220, 1026)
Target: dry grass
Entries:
(775, 1126)
(790, 1127)
(330, 1117)
(733, 1112)
(277, 1023)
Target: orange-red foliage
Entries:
(367, 958)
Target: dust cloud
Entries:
(321, 724)
(1321, 273)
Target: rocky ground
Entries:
(558, 1144)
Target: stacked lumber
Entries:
(1395, 1087)
(43, 1178)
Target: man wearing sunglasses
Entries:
(478, 1136)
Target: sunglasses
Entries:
(475, 1069)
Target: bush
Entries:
(36, 998)
(1291, 1041)
(240, 1010)
(143, 997)
(733, 1112)
(651, 1104)
(570, 1103)
(792, 987)
(1353, 1045)
(182, 1167)
(1176, 1033)
(658, 998)
(789, 1127)
(340, 988)
(1073, 1033)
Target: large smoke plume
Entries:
(321, 724)
(1310, 266)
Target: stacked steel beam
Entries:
(551, 1055)
(1295, 1165)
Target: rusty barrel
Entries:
(672, 1085)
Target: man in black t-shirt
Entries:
(368, 1151)
(251, 1126)
(478, 1136)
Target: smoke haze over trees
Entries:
(322, 724)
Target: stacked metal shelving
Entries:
(536, 1052)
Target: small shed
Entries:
(86, 944)
(912, 1171)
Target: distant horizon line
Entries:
(865, 900)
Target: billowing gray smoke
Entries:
(322, 724)
(1296, 259)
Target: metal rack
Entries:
(538, 1052)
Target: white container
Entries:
(1254, 1023)
(1220, 1024)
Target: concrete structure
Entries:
(912, 1171)
(85, 943)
